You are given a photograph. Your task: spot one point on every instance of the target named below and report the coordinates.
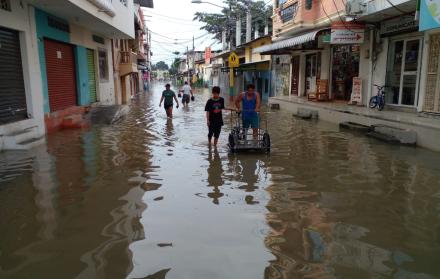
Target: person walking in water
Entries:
(214, 117)
(168, 95)
(249, 103)
(186, 91)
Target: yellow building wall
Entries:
(256, 57)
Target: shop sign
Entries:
(208, 55)
(356, 93)
(326, 38)
(429, 14)
(398, 25)
(347, 33)
(233, 60)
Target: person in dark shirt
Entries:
(168, 95)
(214, 116)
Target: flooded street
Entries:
(147, 198)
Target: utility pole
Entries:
(194, 58)
(187, 63)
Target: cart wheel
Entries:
(231, 141)
(266, 141)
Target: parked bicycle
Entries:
(378, 100)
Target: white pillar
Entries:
(248, 27)
(423, 71)
(256, 33)
(238, 33)
(224, 44)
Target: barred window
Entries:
(289, 13)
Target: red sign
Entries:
(208, 55)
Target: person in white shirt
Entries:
(186, 91)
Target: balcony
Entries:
(105, 5)
(291, 17)
(288, 13)
(127, 63)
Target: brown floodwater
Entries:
(147, 198)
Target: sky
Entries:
(172, 19)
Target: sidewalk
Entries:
(427, 127)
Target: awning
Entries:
(145, 3)
(298, 40)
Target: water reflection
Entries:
(147, 198)
(215, 173)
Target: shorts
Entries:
(214, 130)
(185, 98)
(167, 106)
(250, 121)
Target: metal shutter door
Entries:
(12, 94)
(60, 68)
(92, 75)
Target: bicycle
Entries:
(379, 99)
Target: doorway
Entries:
(403, 71)
(295, 76)
(313, 71)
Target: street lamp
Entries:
(200, 2)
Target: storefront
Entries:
(345, 56)
(431, 102)
(280, 75)
(312, 72)
(404, 54)
(431, 66)
(345, 66)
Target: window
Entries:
(403, 72)
(281, 2)
(5, 5)
(58, 24)
(103, 65)
(289, 13)
(124, 2)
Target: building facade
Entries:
(61, 62)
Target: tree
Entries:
(161, 65)
(174, 67)
(226, 20)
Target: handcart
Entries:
(244, 139)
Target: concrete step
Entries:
(305, 113)
(32, 142)
(74, 121)
(394, 134)
(355, 127)
(12, 140)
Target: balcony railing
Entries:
(128, 57)
(289, 13)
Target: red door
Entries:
(61, 81)
(295, 75)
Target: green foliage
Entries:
(174, 67)
(161, 65)
(235, 9)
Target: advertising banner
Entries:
(429, 14)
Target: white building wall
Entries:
(123, 20)
(364, 70)
(380, 66)
(21, 18)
